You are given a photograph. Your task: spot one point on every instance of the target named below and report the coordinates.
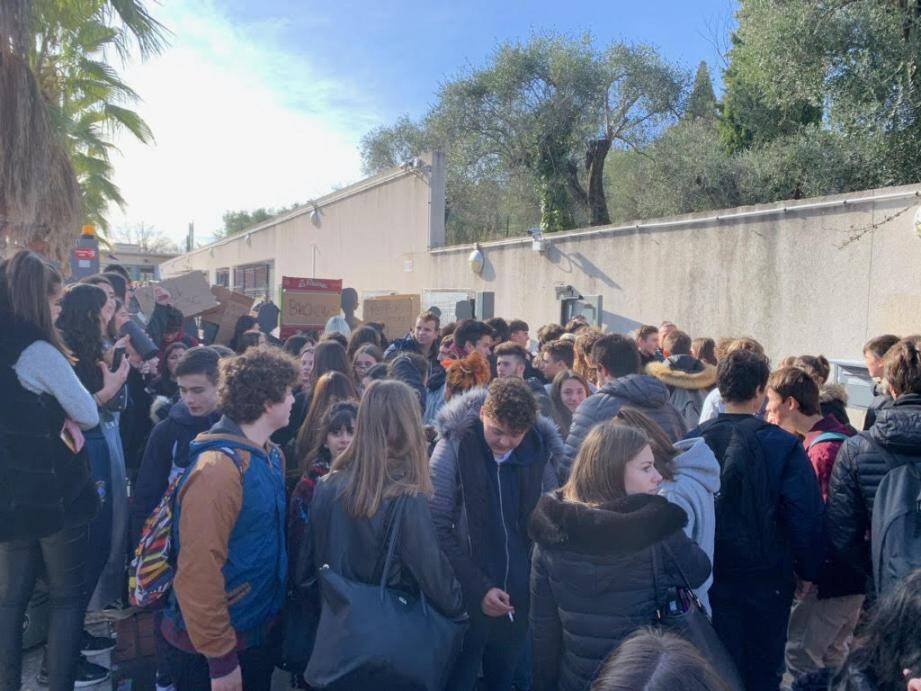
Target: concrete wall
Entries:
(788, 277)
(784, 273)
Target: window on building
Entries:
(222, 278)
(253, 279)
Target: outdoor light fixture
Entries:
(476, 259)
(249, 239)
(314, 213)
(538, 244)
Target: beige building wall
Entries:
(784, 273)
(374, 235)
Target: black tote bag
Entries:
(682, 613)
(374, 637)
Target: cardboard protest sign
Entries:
(189, 293)
(308, 303)
(218, 323)
(396, 312)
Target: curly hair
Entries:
(261, 376)
(79, 325)
(466, 373)
(582, 353)
(511, 403)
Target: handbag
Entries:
(682, 613)
(371, 636)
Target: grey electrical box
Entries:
(485, 305)
(588, 306)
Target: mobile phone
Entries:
(117, 357)
(69, 440)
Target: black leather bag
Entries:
(681, 612)
(374, 637)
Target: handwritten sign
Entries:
(189, 293)
(396, 312)
(218, 323)
(308, 303)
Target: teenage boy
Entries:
(495, 458)
(647, 342)
(229, 532)
(167, 451)
(768, 523)
(822, 619)
(422, 339)
(473, 335)
(620, 384)
(512, 361)
(519, 332)
(555, 357)
(688, 379)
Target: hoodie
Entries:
(166, 455)
(696, 482)
(688, 380)
(646, 394)
(481, 507)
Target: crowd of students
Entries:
(558, 516)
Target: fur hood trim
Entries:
(620, 527)
(705, 379)
(458, 416)
(833, 392)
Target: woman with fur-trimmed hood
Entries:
(608, 549)
(688, 379)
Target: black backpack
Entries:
(746, 512)
(895, 536)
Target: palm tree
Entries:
(56, 82)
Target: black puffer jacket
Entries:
(640, 391)
(356, 548)
(862, 463)
(592, 579)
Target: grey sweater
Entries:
(42, 369)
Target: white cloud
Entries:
(239, 123)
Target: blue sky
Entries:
(263, 103)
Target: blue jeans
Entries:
(100, 528)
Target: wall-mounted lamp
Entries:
(476, 259)
(314, 213)
(249, 239)
(538, 244)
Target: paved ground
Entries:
(32, 661)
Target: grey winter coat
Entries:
(646, 394)
(696, 481)
(458, 514)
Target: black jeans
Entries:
(497, 643)
(63, 556)
(751, 621)
(189, 671)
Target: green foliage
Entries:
(818, 98)
(701, 101)
(87, 100)
(238, 221)
(526, 134)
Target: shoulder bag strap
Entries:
(684, 578)
(655, 583)
(394, 533)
